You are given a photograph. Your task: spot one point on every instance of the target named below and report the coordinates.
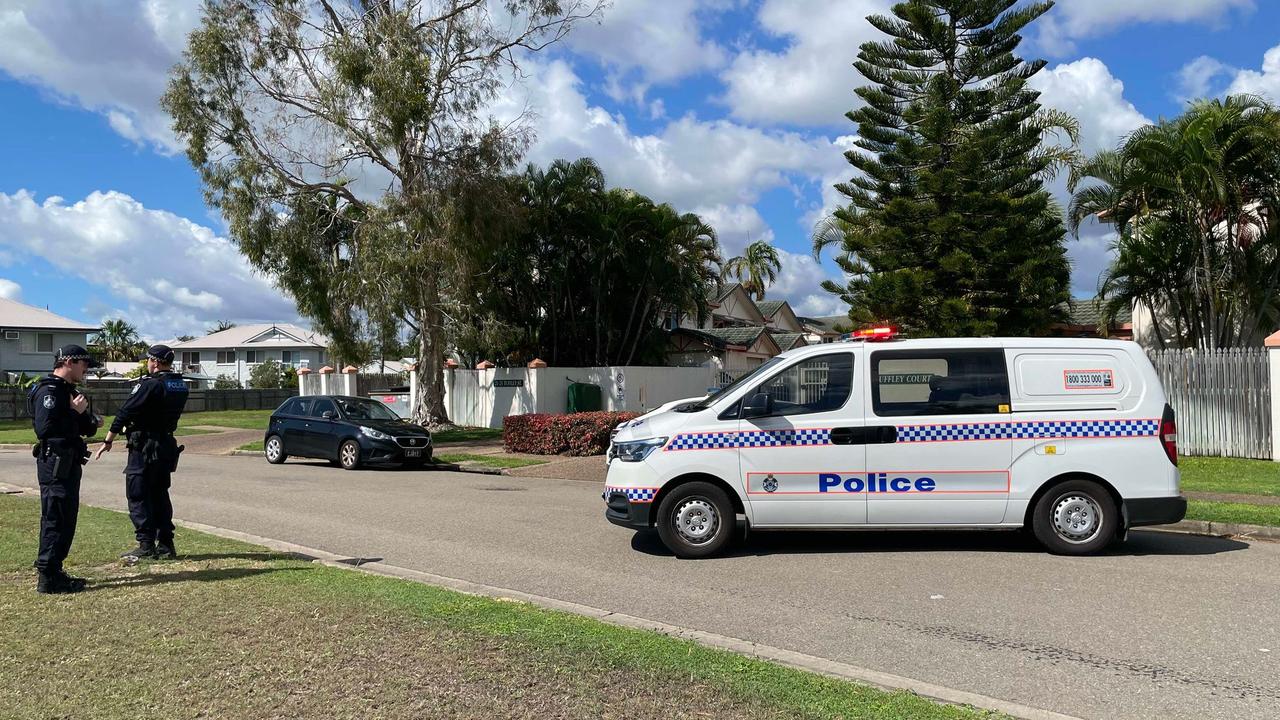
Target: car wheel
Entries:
(696, 520)
(349, 455)
(274, 450)
(1077, 517)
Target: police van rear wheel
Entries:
(1077, 517)
(274, 450)
(696, 520)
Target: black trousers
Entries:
(146, 485)
(59, 510)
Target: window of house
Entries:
(226, 357)
(288, 357)
(190, 358)
(939, 382)
(253, 356)
(44, 342)
(817, 384)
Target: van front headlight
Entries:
(635, 451)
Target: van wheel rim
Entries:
(273, 448)
(1077, 518)
(697, 521)
(348, 455)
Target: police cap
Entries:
(75, 352)
(160, 353)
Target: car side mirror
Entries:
(758, 405)
(329, 415)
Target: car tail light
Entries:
(1169, 434)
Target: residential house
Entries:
(821, 330)
(29, 335)
(235, 352)
(1085, 320)
(737, 336)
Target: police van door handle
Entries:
(872, 435)
(846, 436)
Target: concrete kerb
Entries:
(789, 658)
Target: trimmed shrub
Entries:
(579, 434)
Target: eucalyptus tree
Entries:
(343, 141)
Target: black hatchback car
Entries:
(347, 431)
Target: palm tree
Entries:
(756, 268)
(118, 340)
(1192, 200)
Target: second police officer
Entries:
(148, 418)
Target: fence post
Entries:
(349, 380)
(1273, 360)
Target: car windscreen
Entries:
(713, 397)
(362, 409)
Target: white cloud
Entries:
(10, 290)
(110, 57)
(1087, 90)
(811, 81)
(1264, 82)
(663, 40)
(1072, 20)
(799, 283)
(1197, 78)
(736, 226)
(1209, 77)
(171, 275)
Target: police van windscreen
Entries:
(713, 397)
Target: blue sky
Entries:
(730, 108)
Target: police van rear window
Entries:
(939, 382)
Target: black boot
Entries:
(146, 549)
(165, 550)
(75, 583)
(51, 583)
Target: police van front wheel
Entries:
(696, 520)
(1077, 517)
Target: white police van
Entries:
(1070, 437)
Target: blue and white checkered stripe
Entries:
(750, 439)
(1031, 429)
(1028, 430)
(640, 495)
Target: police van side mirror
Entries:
(758, 405)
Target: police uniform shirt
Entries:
(52, 414)
(154, 405)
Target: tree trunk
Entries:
(430, 409)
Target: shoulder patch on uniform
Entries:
(48, 402)
(135, 389)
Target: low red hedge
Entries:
(584, 433)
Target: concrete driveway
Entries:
(1168, 626)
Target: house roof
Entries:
(264, 335)
(786, 341)
(16, 315)
(722, 337)
(1089, 312)
(825, 324)
(717, 295)
(769, 308)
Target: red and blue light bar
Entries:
(873, 334)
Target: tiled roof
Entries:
(826, 324)
(16, 315)
(1089, 312)
(718, 295)
(240, 336)
(786, 341)
(769, 307)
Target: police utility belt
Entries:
(156, 447)
(64, 453)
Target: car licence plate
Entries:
(413, 452)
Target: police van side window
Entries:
(939, 382)
(818, 384)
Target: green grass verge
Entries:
(497, 461)
(464, 434)
(1230, 475)
(20, 432)
(234, 631)
(1233, 513)
(255, 446)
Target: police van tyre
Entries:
(696, 520)
(274, 450)
(1077, 517)
(349, 455)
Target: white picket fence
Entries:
(1222, 399)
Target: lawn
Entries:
(20, 432)
(1224, 512)
(255, 446)
(463, 434)
(234, 631)
(1230, 475)
(497, 461)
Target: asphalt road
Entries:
(1166, 626)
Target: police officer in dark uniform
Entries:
(150, 416)
(62, 418)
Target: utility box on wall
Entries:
(584, 397)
